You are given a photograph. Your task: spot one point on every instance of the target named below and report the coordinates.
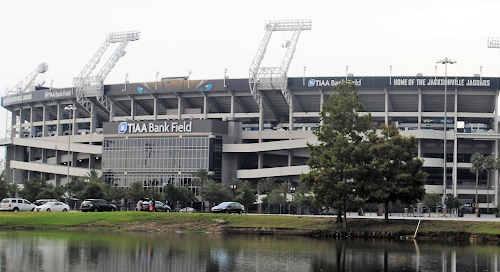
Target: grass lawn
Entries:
(145, 221)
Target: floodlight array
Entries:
(288, 25)
(493, 42)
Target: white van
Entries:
(16, 205)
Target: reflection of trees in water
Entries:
(109, 251)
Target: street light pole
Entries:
(233, 189)
(69, 108)
(445, 61)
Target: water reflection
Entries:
(109, 251)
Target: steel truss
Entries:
(24, 86)
(87, 86)
(275, 78)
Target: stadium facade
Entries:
(162, 132)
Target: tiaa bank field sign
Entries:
(150, 127)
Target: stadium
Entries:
(162, 132)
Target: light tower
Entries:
(271, 78)
(445, 61)
(92, 87)
(25, 85)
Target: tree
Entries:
(201, 178)
(266, 185)
(4, 191)
(330, 161)
(13, 189)
(285, 189)
(275, 198)
(390, 170)
(93, 189)
(431, 200)
(113, 192)
(93, 175)
(302, 188)
(176, 194)
(477, 162)
(51, 192)
(246, 195)
(453, 202)
(76, 186)
(33, 187)
(136, 191)
(216, 192)
(488, 165)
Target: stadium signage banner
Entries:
(155, 127)
(58, 94)
(328, 82)
(440, 82)
(398, 82)
(17, 98)
(140, 128)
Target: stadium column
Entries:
(133, 109)
(419, 109)
(455, 147)
(45, 117)
(22, 118)
(495, 127)
(386, 107)
(32, 115)
(261, 118)
(321, 102)
(179, 107)
(496, 172)
(155, 108)
(112, 111)
(74, 124)
(59, 127)
(205, 106)
(93, 118)
(260, 161)
(232, 105)
(290, 122)
(13, 118)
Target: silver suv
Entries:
(16, 205)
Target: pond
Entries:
(160, 251)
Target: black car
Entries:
(97, 205)
(229, 207)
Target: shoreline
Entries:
(458, 229)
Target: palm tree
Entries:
(477, 162)
(303, 188)
(488, 165)
(93, 175)
(285, 188)
(496, 166)
(201, 178)
(267, 184)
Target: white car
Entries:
(16, 205)
(54, 206)
(187, 210)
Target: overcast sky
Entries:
(209, 36)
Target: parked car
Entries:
(43, 201)
(229, 207)
(97, 205)
(52, 206)
(16, 205)
(187, 210)
(161, 207)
